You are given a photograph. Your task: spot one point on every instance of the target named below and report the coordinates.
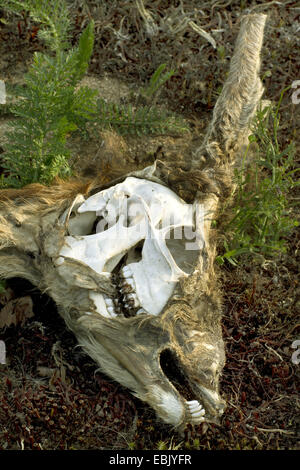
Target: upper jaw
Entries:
(174, 409)
(212, 402)
(177, 411)
(198, 402)
(201, 402)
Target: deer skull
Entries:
(140, 235)
(141, 230)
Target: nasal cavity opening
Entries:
(134, 255)
(172, 369)
(181, 243)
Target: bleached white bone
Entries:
(102, 251)
(164, 204)
(132, 212)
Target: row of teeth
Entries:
(129, 298)
(127, 288)
(196, 411)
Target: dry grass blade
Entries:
(203, 33)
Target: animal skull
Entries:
(143, 232)
(131, 266)
(142, 223)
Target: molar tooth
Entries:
(195, 407)
(192, 402)
(126, 271)
(111, 310)
(194, 411)
(108, 302)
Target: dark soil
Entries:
(51, 395)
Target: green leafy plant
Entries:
(156, 81)
(262, 213)
(50, 105)
(143, 118)
(168, 445)
(139, 120)
(194, 444)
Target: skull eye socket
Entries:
(81, 224)
(178, 242)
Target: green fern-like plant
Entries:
(143, 118)
(126, 119)
(52, 16)
(50, 105)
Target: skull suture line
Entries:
(148, 227)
